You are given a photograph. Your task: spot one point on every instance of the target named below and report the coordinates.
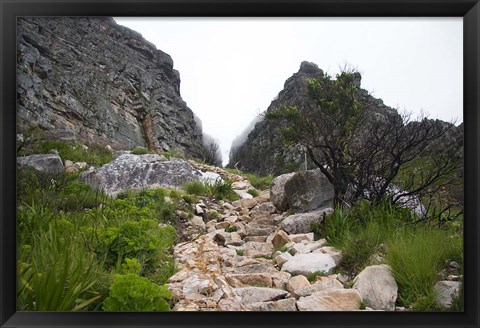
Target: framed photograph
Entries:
(239, 163)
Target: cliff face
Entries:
(93, 80)
(263, 150)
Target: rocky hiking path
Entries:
(250, 254)
(245, 260)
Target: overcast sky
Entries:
(232, 68)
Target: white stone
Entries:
(307, 264)
(377, 286)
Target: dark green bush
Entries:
(130, 292)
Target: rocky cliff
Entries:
(88, 78)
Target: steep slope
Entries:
(90, 79)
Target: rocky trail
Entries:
(256, 253)
(245, 260)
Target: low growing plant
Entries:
(130, 292)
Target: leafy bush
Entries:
(141, 239)
(130, 292)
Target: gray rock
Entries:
(277, 191)
(92, 80)
(446, 292)
(140, 172)
(306, 264)
(307, 191)
(43, 163)
(377, 286)
(302, 222)
(280, 305)
(260, 294)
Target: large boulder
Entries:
(309, 190)
(43, 163)
(377, 286)
(302, 222)
(306, 264)
(140, 172)
(277, 191)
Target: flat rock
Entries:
(280, 305)
(331, 300)
(249, 279)
(260, 294)
(306, 264)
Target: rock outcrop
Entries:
(89, 79)
(140, 172)
(263, 151)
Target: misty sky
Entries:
(232, 68)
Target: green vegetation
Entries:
(231, 229)
(68, 150)
(253, 192)
(313, 276)
(140, 151)
(258, 182)
(416, 251)
(416, 256)
(78, 248)
(220, 189)
(130, 292)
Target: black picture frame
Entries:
(468, 9)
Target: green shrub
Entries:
(139, 151)
(141, 239)
(131, 292)
(416, 255)
(197, 188)
(54, 271)
(131, 266)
